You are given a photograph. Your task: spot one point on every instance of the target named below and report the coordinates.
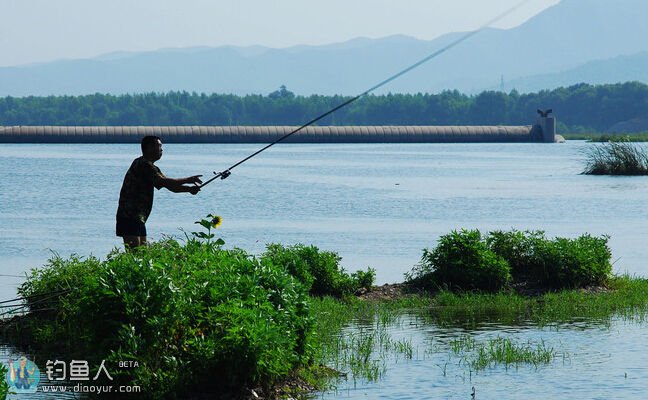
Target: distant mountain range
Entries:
(593, 41)
(614, 70)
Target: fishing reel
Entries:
(223, 174)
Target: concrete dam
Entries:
(543, 131)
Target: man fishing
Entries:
(136, 195)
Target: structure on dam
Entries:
(543, 131)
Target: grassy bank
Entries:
(624, 297)
(601, 138)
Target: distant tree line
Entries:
(579, 108)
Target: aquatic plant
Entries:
(354, 338)
(625, 298)
(616, 158)
(500, 351)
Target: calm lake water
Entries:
(593, 360)
(376, 205)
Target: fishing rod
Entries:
(43, 303)
(31, 298)
(224, 174)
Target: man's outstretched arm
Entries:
(179, 185)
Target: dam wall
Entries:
(267, 134)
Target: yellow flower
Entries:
(216, 221)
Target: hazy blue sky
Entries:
(44, 30)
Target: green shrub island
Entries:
(195, 316)
(467, 260)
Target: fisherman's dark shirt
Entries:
(136, 196)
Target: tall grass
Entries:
(626, 298)
(602, 138)
(633, 137)
(616, 158)
(353, 337)
(500, 351)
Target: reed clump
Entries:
(480, 355)
(355, 337)
(616, 158)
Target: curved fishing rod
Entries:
(224, 174)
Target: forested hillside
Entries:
(578, 108)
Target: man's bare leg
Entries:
(131, 242)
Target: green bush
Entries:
(572, 263)
(192, 315)
(557, 263)
(519, 250)
(319, 271)
(364, 279)
(466, 260)
(461, 261)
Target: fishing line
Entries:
(224, 174)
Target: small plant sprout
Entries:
(210, 222)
